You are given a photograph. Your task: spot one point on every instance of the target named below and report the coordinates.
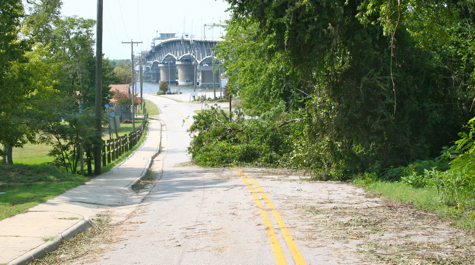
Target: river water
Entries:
(152, 88)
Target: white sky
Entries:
(140, 20)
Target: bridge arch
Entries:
(186, 57)
(169, 58)
(176, 55)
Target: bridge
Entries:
(185, 55)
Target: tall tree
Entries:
(259, 73)
(376, 96)
(13, 82)
(122, 71)
(62, 62)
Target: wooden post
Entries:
(121, 139)
(116, 148)
(103, 154)
(109, 160)
(122, 151)
(131, 140)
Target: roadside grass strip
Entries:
(276, 248)
(25, 186)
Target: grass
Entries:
(426, 199)
(126, 154)
(174, 99)
(31, 154)
(152, 109)
(26, 186)
(125, 128)
(32, 181)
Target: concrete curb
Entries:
(79, 227)
(50, 246)
(149, 163)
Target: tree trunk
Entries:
(89, 162)
(8, 157)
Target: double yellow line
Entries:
(276, 248)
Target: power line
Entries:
(113, 28)
(125, 28)
(138, 17)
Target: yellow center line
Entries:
(274, 241)
(298, 258)
(187, 122)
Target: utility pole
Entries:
(212, 72)
(133, 79)
(141, 83)
(194, 72)
(98, 100)
(219, 80)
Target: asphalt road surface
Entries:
(202, 216)
(236, 215)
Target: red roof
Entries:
(124, 88)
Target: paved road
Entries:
(196, 215)
(263, 216)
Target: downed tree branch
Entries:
(284, 123)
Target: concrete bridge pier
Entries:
(207, 76)
(168, 73)
(185, 73)
(155, 78)
(154, 73)
(147, 76)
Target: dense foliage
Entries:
(373, 84)
(67, 128)
(47, 58)
(122, 69)
(225, 141)
(13, 83)
(124, 100)
(163, 87)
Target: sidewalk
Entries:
(23, 236)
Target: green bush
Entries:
(163, 86)
(223, 141)
(456, 188)
(451, 174)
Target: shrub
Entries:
(222, 141)
(163, 86)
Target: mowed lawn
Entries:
(32, 154)
(25, 186)
(31, 181)
(37, 154)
